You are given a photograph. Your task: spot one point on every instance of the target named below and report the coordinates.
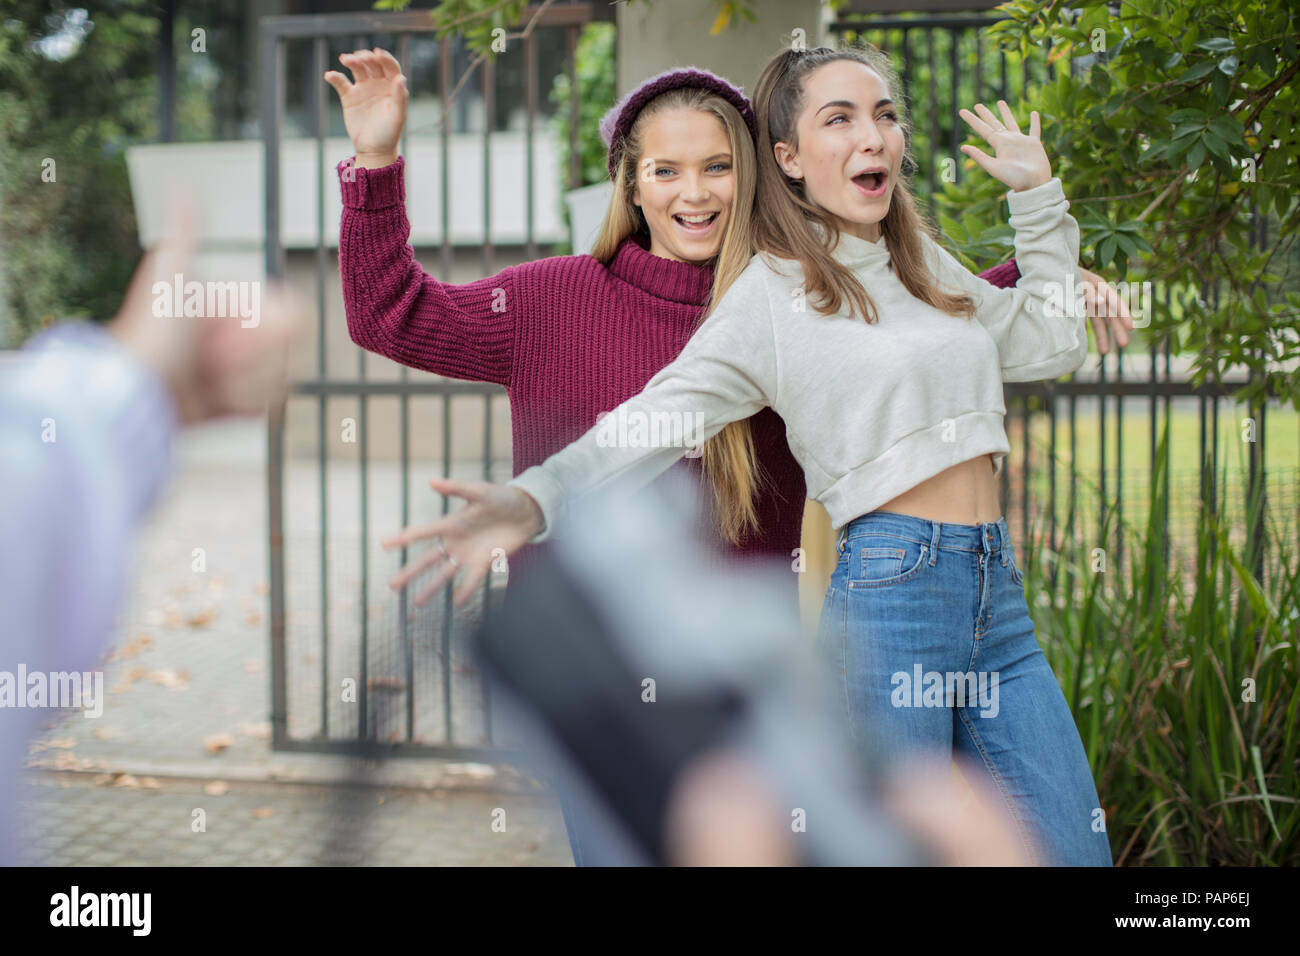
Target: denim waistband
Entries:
(988, 537)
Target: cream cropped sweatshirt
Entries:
(871, 410)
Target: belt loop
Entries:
(839, 544)
(934, 542)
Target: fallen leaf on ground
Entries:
(131, 648)
(107, 733)
(261, 813)
(252, 666)
(202, 618)
(126, 781)
(172, 680)
(66, 761)
(215, 743)
(61, 743)
(149, 783)
(216, 788)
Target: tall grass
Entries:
(1183, 683)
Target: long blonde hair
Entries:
(728, 457)
(786, 228)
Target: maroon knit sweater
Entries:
(568, 337)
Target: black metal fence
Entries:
(400, 680)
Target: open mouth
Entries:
(698, 223)
(872, 184)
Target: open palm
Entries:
(497, 520)
(374, 107)
(1019, 159)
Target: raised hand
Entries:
(1020, 160)
(374, 107)
(494, 517)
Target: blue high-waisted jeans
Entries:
(930, 647)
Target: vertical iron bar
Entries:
(318, 69)
(447, 609)
(489, 105)
(403, 607)
(363, 452)
(530, 88)
(571, 46)
(272, 109)
(1119, 451)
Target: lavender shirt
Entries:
(85, 439)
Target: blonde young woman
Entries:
(886, 361)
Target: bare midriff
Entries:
(963, 494)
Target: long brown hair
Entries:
(728, 457)
(786, 229)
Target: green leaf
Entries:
(1196, 155)
(1228, 130)
(1216, 44)
(1228, 65)
(1195, 73)
(1220, 84)
(1105, 251)
(1128, 245)
(1216, 146)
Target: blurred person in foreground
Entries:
(685, 715)
(88, 414)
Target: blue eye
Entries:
(837, 116)
(890, 115)
(722, 166)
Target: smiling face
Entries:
(685, 184)
(850, 146)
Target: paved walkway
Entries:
(187, 705)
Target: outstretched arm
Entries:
(726, 372)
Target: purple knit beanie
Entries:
(618, 121)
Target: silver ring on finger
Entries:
(454, 562)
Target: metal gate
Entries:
(391, 676)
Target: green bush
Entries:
(1183, 683)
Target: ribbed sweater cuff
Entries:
(1040, 197)
(549, 497)
(1003, 276)
(372, 188)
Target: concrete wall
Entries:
(653, 37)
